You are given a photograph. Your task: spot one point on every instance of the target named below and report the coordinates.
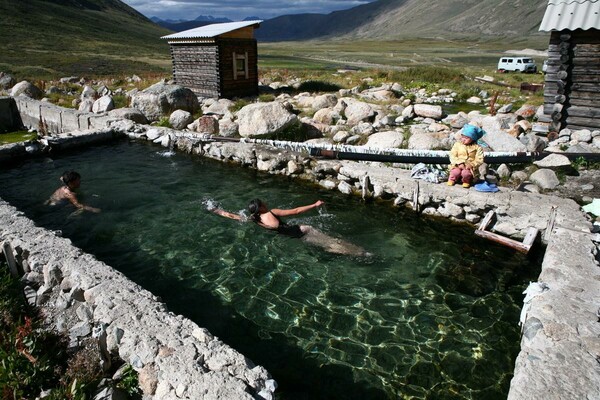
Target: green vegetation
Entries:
(239, 104)
(16, 137)
(164, 122)
(265, 98)
(46, 39)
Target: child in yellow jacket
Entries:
(466, 157)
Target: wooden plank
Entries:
(589, 112)
(486, 220)
(550, 225)
(514, 244)
(415, 201)
(530, 237)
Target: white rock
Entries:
(103, 104)
(545, 179)
(388, 139)
(553, 160)
(264, 119)
(180, 119)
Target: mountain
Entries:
(397, 19)
(77, 37)
(183, 25)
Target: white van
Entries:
(516, 64)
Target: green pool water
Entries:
(433, 314)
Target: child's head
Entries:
(72, 179)
(471, 134)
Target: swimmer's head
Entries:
(255, 207)
(71, 178)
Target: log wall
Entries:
(195, 67)
(572, 89)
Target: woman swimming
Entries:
(71, 181)
(271, 220)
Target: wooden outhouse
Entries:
(217, 60)
(572, 83)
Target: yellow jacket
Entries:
(471, 155)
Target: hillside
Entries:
(396, 19)
(64, 37)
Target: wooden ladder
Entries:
(523, 246)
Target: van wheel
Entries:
(501, 71)
(517, 70)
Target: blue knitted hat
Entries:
(473, 132)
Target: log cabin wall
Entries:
(572, 89)
(195, 66)
(238, 64)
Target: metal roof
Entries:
(571, 15)
(211, 31)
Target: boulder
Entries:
(205, 124)
(456, 121)
(324, 101)
(132, 114)
(341, 137)
(553, 161)
(228, 127)
(409, 111)
(326, 116)
(86, 105)
(103, 104)
(505, 109)
(88, 92)
(428, 111)
(424, 141)
(25, 88)
(545, 179)
(384, 140)
(219, 107)
(526, 111)
(533, 142)
(161, 99)
(6, 81)
(497, 138)
(357, 111)
(180, 119)
(474, 100)
(583, 135)
(262, 119)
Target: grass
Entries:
(17, 137)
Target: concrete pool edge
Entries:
(561, 341)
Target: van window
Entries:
(504, 60)
(510, 60)
(527, 60)
(519, 61)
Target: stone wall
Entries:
(9, 115)
(82, 296)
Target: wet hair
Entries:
(69, 176)
(254, 207)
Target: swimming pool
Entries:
(433, 314)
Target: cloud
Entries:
(237, 9)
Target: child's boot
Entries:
(466, 185)
(451, 182)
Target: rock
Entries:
(451, 210)
(132, 114)
(363, 128)
(354, 139)
(383, 140)
(88, 93)
(474, 100)
(262, 119)
(86, 105)
(103, 104)
(553, 161)
(582, 148)
(326, 116)
(294, 168)
(503, 171)
(24, 88)
(519, 176)
(357, 111)
(526, 111)
(161, 99)
(341, 137)
(219, 107)
(324, 101)
(505, 109)
(205, 124)
(345, 187)
(424, 141)
(180, 119)
(524, 124)
(228, 127)
(456, 121)
(533, 142)
(409, 112)
(545, 179)
(428, 111)
(583, 135)
(596, 142)
(7, 81)
(497, 138)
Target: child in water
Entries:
(71, 181)
(466, 157)
(270, 219)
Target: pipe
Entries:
(394, 155)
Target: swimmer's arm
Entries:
(73, 199)
(226, 214)
(297, 210)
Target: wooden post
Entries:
(415, 201)
(13, 266)
(523, 247)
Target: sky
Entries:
(237, 10)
